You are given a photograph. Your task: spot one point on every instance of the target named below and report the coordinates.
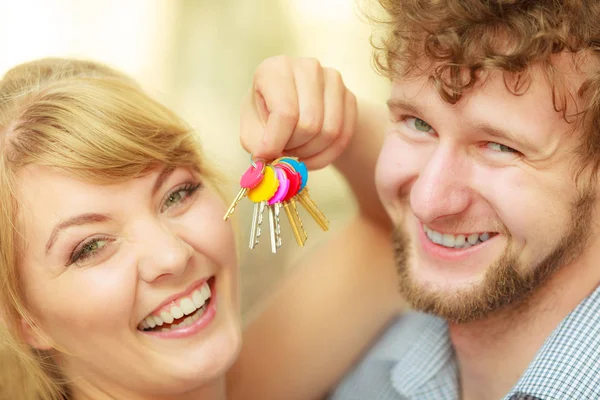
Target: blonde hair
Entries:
(99, 126)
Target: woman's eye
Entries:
(174, 198)
(500, 148)
(179, 195)
(88, 249)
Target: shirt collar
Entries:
(428, 369)
(566, 367)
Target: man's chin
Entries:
(461, 298)
(458, 304)
(447, 279)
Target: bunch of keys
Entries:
(279, 184)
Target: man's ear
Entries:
(34, 336)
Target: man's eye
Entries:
(419, 125)
(422, 125)
(500, 148)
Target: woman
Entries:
(118, 270)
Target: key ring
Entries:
(254, 163)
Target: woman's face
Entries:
(102, 265)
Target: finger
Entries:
(335, 97)
(332, 152)
(275, 97)
(310, 85)
(335, 113)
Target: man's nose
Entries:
(441, 189)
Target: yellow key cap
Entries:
(266, 188)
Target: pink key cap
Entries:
(284, 185)
(253, 175)
(294, 178)
(251, 179)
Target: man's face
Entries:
(482, 193)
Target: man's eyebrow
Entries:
(405, 105)
(506, 135)
(81, 219)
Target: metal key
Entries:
(275, 228)
(277, 212)
(303, 196)
(257, 219)
(250, 179)
(311, 207)
(259, 195)
(273, 206)
(289, 205)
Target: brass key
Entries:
(311, 207)
(251, 178)
(288, 204)
(303, 196)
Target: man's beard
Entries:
(505, 283)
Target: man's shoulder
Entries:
(372, 376)
(402, 333)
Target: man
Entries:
(489, 172)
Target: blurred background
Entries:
(198, 57)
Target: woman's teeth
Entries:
(185, 322)
(456, 241)
(193, 306)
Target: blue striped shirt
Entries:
(415, 359)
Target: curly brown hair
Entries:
(456, 41)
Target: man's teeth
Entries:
(185, 306)
(455, 241)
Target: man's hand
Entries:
(297, 108)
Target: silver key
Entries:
(275, 227)
(257, 219)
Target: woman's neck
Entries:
(83, 390)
